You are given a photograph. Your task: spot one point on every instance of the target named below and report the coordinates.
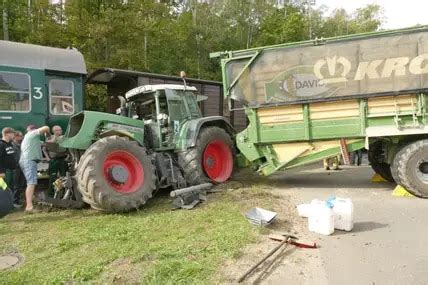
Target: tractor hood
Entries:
(88, 126)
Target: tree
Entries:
(337, 24)
(5, 21)
(171, 35)
(282, 26)
(366, 19)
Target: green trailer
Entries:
(39, 85)
(317, 99)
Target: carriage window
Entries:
(61, 93)
(14, 92)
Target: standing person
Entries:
(357, 156)
(18, 177)
(57, 163)
(31, 154)
(7, 156)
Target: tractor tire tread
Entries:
(395, 164)
(90, 184)
(190, 160)
(402, 159)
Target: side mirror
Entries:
(200, 98)
(122, 112)
(122, 101)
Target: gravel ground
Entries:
(388, 244)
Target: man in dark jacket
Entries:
(7, 156)
(18, 177)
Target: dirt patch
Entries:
(289, 264)
(122, 271)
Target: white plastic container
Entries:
(343, 210)
(321, 218)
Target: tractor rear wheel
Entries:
(412, 168)
(379, 166)
(115, 175)
(211, 160)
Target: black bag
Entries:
(6, 202)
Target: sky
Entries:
(398, 14)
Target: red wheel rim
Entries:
(126, 162)
(217, 161)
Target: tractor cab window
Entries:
(61, 93)
(177, 106)
(192, 103)
(14, 92)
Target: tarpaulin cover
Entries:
(379, 64)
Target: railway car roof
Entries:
(41, 57)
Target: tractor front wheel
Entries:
(115, 175)
(211, 160)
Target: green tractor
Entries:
(157, 139)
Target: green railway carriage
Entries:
(316, 99)
(39, 85)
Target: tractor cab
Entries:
(164, 109)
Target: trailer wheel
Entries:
(394, 167)
(211, 160)
(412, 168)
(376, 162)
(394, 172)
(115, 175)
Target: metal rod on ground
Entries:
(190, 189)
(286, 240)
(295, 241)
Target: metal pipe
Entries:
(286, 240)
(190, 189)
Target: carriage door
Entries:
(61, 105)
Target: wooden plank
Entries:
(334, 110)
(391, 104)
(278, 115)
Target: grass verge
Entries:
(154, 245)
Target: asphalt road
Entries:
(389, 242)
